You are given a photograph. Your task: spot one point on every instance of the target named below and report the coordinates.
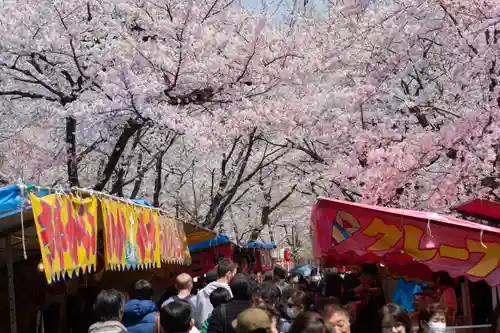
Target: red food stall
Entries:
(409, 244)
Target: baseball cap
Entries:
(211, 275)
(251, 320)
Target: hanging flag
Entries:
(131, 236)
(174, 247)
(67, 232)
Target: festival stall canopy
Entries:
(258, 245)
(410, 243)
(63, 227)
(480, 208)
(213, 242)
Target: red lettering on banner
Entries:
(109, 236)
(73, 232)
(141, 238)
(47, 233)
(151, 235)
(121, 235)
(60, 242)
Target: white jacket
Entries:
(203, 307)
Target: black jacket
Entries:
(218, 324)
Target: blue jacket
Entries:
(139, 316)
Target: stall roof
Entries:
(10, 220)
(409, 242)
(215, 241)
(480, 208)
(260, 245)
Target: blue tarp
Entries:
(404, 294)
(10, 199)
(260, 245)
(219, 240)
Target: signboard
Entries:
(413, 245)
(173, 243)
(131, 236)
(67, 232)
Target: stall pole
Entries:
(10, 275)
(466, 305)
(494, 297)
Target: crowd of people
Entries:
(237, 303)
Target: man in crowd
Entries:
(108, 311)
(140, 311)
(335, 314)
(279, 275)
(223, 316)
(177, 317)
(226, 270)
(184, 285)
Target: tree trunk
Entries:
(71, 152)
(130, 129)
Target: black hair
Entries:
(219, 296)
(333, 285)
(279, 272)
(310, 322)
(176, 316)
(268, 276)
(141, 290)
(241, 287)
(225, 266)
(268, 291)
(108, 305)
(443, 277)
(393, 315)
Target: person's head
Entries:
(432, 319)
(109, 305)
(184, 282)
(141, 290)
(333, 285)
(219, 296)
(333, 312)
(177, 316)
(241, 287)
(211, 276)
(310, 322)
(266, 293)
(442, 279)
(279, 273)
(253, 320)
(303, 284)
(268, 276)
(226, 270)
(368, 276)
(297, 303)
(274, 315)
(286, 293)
(394, 319)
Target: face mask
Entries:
(290, 313)
(316, 278)
(437, 327)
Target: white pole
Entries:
(12, 296)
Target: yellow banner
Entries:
(174, 247)
(67, 232)
(131, 236)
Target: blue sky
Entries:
(283, 5)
